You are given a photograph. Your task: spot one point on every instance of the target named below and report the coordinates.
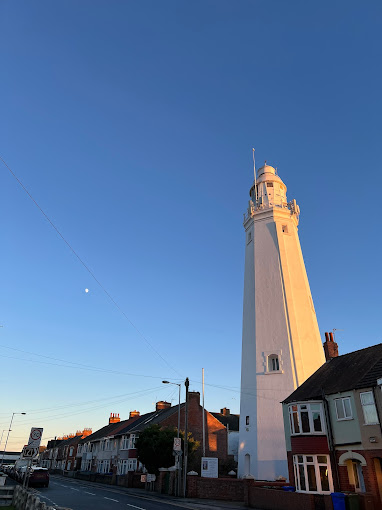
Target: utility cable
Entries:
(87, 267)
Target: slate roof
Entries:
(232, 420)
(358, 369)
(131, 425)
(149, 419)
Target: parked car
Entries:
(38, 476)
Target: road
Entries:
(79, 495)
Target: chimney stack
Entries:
(225, 411)
(134, 414)
(86, 432)
(114, 418)
(162, 405)
(330, 347)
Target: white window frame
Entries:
(266, 361)
(342, 399)
(365, 405)
(310, 415)
(124, 443)
(132, 440)
(132, 465)
(273, 360)
(316, 465)
(122, 467)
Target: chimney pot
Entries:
(331, 337)
(327, 338)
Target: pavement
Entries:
(84, 495)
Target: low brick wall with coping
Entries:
(263, 498)
(24, 499)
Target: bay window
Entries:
(306, 418)
(313, 473)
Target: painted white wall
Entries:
(278, 318)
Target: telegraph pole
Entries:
(187, 384)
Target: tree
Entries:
(155, 447)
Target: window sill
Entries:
(308, 434)
(368, 424)
(345, 419)
(273, 372)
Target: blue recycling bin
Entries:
(289, 488)
(338, 499)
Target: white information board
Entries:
(210, 467)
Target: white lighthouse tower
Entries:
(281, 342)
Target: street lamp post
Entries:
(6, 442)
(177, 456)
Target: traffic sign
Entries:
(35, 437)
(29, 453)
(177, 444)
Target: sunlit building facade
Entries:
(281, 345)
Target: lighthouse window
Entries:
(285, 229)
(249, 237)
(269, 184)
(273, 363)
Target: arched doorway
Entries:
(247, 464)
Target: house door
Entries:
(378, 474)
(359, 482)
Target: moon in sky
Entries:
(86, 290)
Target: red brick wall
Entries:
(309, 445)
(269, 499)
(229, 489)
(216, 433)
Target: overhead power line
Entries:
(87, 268)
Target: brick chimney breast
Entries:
(330, 347)
(194, 395)
(225, 411)
(134, 414)
(162, 405)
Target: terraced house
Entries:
(333, 425)
(111, 450)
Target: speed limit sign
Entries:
(35, 437)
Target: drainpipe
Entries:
(330, 440)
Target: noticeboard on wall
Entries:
(210, 467)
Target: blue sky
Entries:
(132, 125)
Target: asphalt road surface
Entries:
(79, 495)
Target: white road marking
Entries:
(91, 493)
(110, 499)
(139, 507)
(73, 489)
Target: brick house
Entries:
(111, 449)
(333, 427)
(231, 423)
(61, 453)
(166, 415)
